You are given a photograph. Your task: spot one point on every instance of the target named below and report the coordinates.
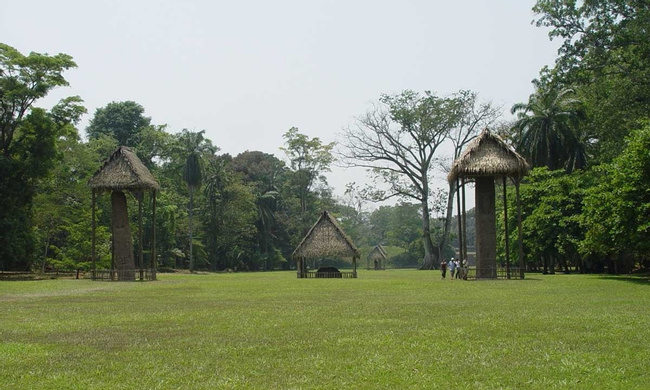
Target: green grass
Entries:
(394, 329)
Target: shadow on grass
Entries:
(24, 277)
(643, 280)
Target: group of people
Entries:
(457, 269)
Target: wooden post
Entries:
(93, 250)
(505, 223)
(298, 267)
(460, 222)
(154, 260)
(141, 257)
(465, 256)
(521, 238)
(112, 247)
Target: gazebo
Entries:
(325, 238)
(124, 171)
(488, 159)
(377, 257)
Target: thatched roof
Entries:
(123, 171)
(377, 253)
(326, 238)
(488, 155)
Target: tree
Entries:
(548, 129)
(605, 46)
(125, 121)
(309, 158)
(27, 143)
(616, 209)
(192, 174)
(62, 209)
(265, 173)
(398, 142)
(551, 211)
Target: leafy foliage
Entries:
(27, 143)
(548, 129)
(618, 206)
(124, 121)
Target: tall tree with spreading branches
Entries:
(397, 141)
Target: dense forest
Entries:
(584, 131)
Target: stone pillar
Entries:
(122, 239)
(486, 236)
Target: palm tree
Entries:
(266, 206)
(192, 174)
(217, 178)
(547, 126)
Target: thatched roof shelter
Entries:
(325, 238)
(377, 253)
(378, 256)
(123, 171)
(484, 160)
(488, 155)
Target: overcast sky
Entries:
(247, 71)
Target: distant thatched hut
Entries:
(486, 159)
(124, 171)
(325, 238)
(377, 257)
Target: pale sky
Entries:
(247, 71)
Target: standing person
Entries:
(465, 266)
(452, 268)
(443, 268)
(458, 269)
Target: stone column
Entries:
(122, 239)
(486, 236)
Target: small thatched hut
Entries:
(124, 171)
(377, 257)
(486, 159)
(325, 238)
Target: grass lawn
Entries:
(394, 329)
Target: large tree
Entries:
(265, 173)
(398, 141)
(604, 52)
(194, 146)
(548, 127)
(616, 209)
(309, 159)
(229, 218)
(27, 142)
(124, 121)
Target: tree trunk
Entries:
(430, 254)
(190, 228)
(47, 245)
(122, 239)
(448, 217)
(552, 264)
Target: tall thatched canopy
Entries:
(325, 238)
(123, 171)
(488, 155)
(487, 158)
